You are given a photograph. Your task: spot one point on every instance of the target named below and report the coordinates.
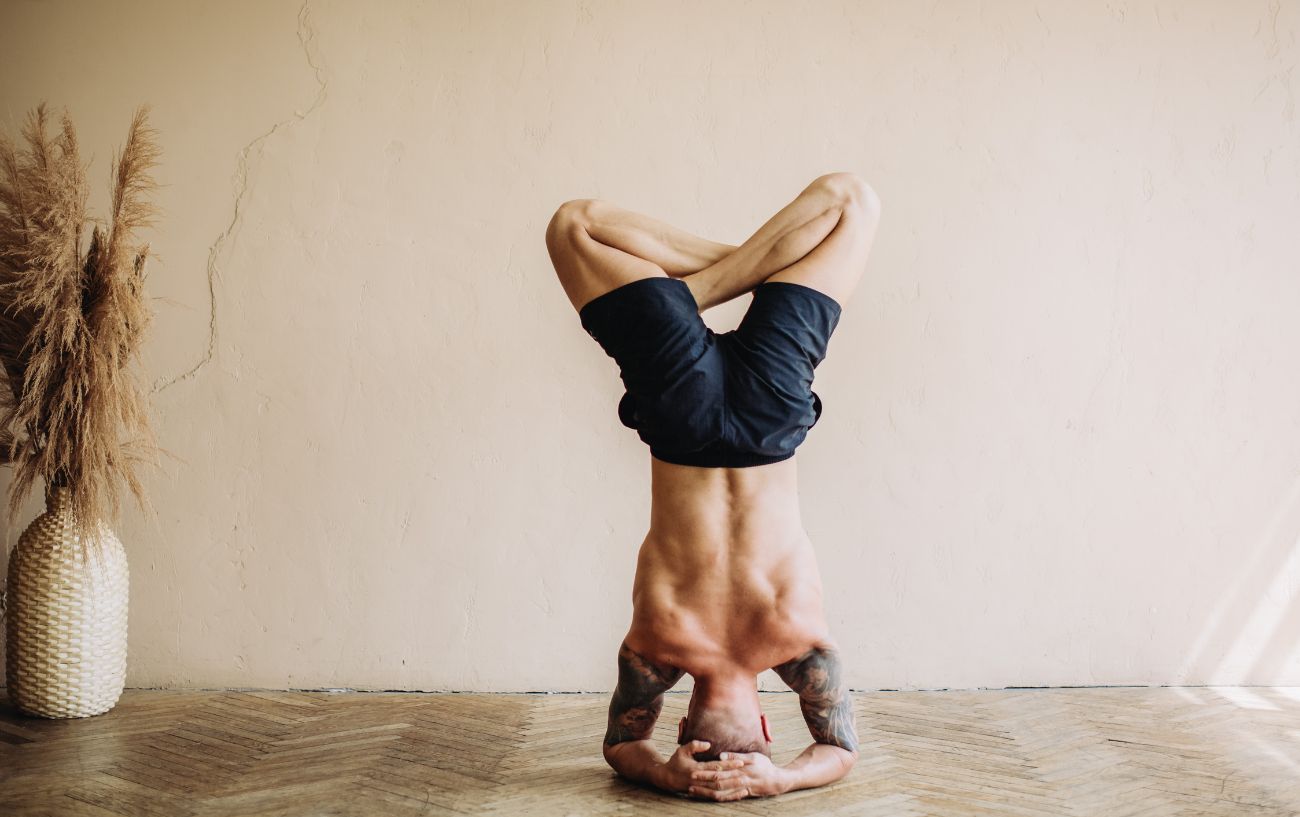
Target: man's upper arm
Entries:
(638, 698)
(824, 698)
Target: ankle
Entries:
(699, 258)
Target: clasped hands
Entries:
(734, 776)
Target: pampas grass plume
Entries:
(73, 313)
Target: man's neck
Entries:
(725, 689)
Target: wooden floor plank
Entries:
(1029, 753)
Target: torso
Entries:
(726, 580)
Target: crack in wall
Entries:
(306, 36)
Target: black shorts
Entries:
(717, 400)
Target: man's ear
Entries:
(767, 732)
(681, 728)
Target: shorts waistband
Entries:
(719, 456)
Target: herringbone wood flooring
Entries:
(1060, 752)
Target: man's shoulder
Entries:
(658, 645)
(798, 637)
(809, 646)
(666, 632)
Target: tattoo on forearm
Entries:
(825, 700)
(638, 698)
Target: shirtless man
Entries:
(726, 581)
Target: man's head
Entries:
(729, 718)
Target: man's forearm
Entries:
(818, 765)
(637, 760)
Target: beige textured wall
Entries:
(1061, 442)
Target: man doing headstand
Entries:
(726, 582)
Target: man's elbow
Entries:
(847, 758)
(609, 750)
(617, 757)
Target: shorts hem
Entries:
(812, 292)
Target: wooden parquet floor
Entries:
(1043, 752)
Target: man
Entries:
(726, 582)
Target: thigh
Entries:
(788, 327)
(835, 266)
(666, 357)
(781, 340)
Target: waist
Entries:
(726, 506)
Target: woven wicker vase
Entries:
(65, 625)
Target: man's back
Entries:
(726, 587)
(726, 579)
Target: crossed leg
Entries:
(820, 240)
(596, 246)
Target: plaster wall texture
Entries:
(1061, 439)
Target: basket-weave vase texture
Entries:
(65, 628)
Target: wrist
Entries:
(657, 776)
(785, 780)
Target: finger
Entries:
(733, 794)
(705, 793)
(715, 774)
(709, 774)
(715, 766)
(687, 751)
(721, 764)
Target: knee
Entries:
(849, 189)
(568, 220)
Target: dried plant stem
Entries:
(74, 412)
